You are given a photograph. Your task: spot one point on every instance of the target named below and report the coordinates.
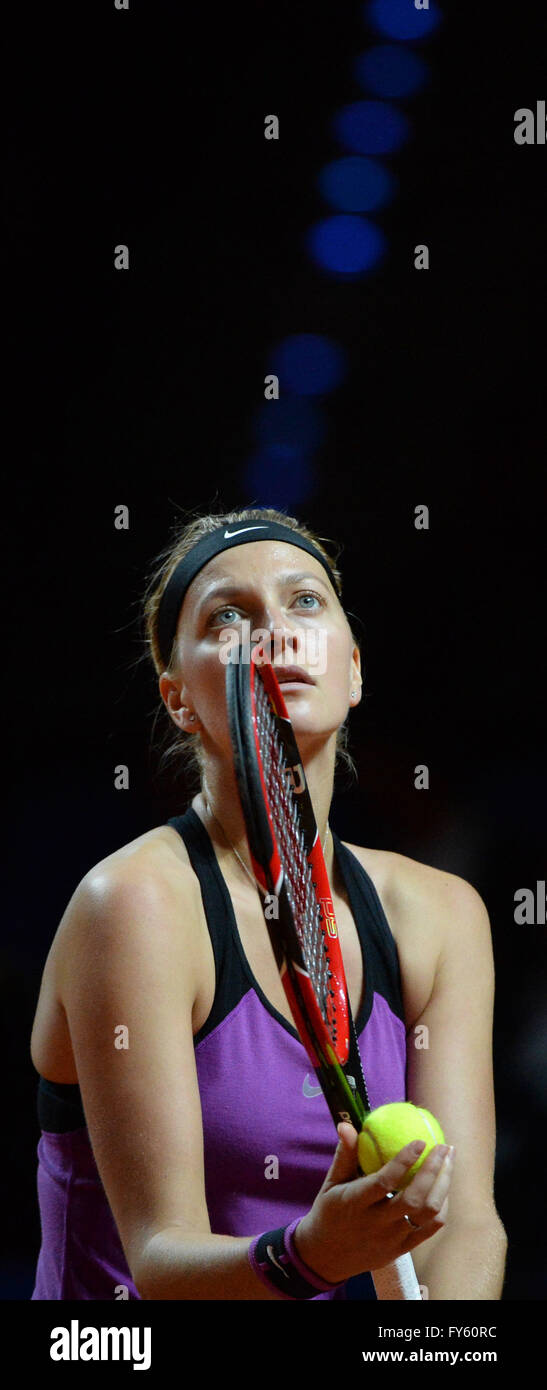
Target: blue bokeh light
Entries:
(276, 480)
(391, 71)
(346, 245)
(289, 427)
(309, 364)
(356, 184)
(371, 127)
(398, 19)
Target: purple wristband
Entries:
(307, 1273)
(275, 1259)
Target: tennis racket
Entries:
(289, 869)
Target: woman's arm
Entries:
(450, 1073)
(130, 979)
(350, 1227)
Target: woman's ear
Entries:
(356, 677)
(174, 696)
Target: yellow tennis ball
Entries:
(389, 1128)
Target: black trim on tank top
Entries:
(231, 980)
(387, 969)
(59, 1107)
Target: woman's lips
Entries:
(290, 675)
(295, 685)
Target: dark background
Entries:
(140, 388)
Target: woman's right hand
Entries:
(353, 1226)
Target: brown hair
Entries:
(185, 749)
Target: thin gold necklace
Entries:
(233, 848)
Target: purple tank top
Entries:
(268, 1135)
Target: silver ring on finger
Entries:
(412, 1223)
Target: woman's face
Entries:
(267, 591)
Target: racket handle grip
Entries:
(397, 1280)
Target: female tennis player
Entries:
(183, 1130)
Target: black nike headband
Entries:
(222, 539)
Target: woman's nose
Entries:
(280, 633)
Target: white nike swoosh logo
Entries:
(271, 1256)
(310, 1090)
(227, 534)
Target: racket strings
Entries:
(297, 872)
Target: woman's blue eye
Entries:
(226, 610)
(310, 595)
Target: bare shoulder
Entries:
(136, 909)
(156, 863)
(150, 880)
(438, 920)
(404, 884)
